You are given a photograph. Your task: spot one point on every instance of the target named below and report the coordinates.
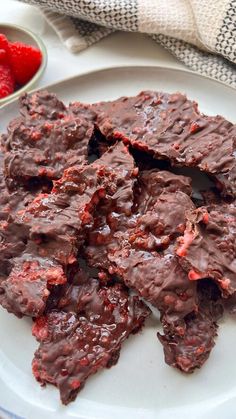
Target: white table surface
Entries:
(115, 50)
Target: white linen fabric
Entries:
(200, 33)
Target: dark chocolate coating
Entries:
(46, 139)
(43, 232)
(207, 249)
(84, 334)
(169, 126)
(28, 286)
(41, 105)
(51, 229)
(139, 248)
(188, 345)
(17, 198)
(129, 215)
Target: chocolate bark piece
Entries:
(27, 288)
(169, 126)
(57, 221)
(140, 247)
(47, 148)
(16, 199)
(142, 196)
(12, 238)
(82, 110)
(52, 227)
(144, 257)
(41, 105)
(51, 230)
(151, 184)
(207, 248)
(159, 279)
(119, 160)
(113, 212)
(84, 334)
(189, 346)
(46, 139)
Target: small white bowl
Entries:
(17, 33)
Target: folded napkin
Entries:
(200, 33)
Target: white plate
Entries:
(141, 385)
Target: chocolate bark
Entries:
(49, 233)
(84, 334)
(207, 248)
(189, 346)
(169, 126)
(140, 247)
(46, 139)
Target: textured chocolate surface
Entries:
(84, 334)
(29, 284)
(188, 346)
(207, 248)
(46, 139)
(169, 126)
(96, 182)
(49, 233)
(41, 105)
(140, 248)
(17, 198)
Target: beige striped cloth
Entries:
(200, 33)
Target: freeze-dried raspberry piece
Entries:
(169, 126)
(79, 339)
(207, 248)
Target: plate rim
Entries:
(169, 69)
(122, 67)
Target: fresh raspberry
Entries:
(25, 61)
(4, 49)
(4, 44)
(6, 81)
(3, 56)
